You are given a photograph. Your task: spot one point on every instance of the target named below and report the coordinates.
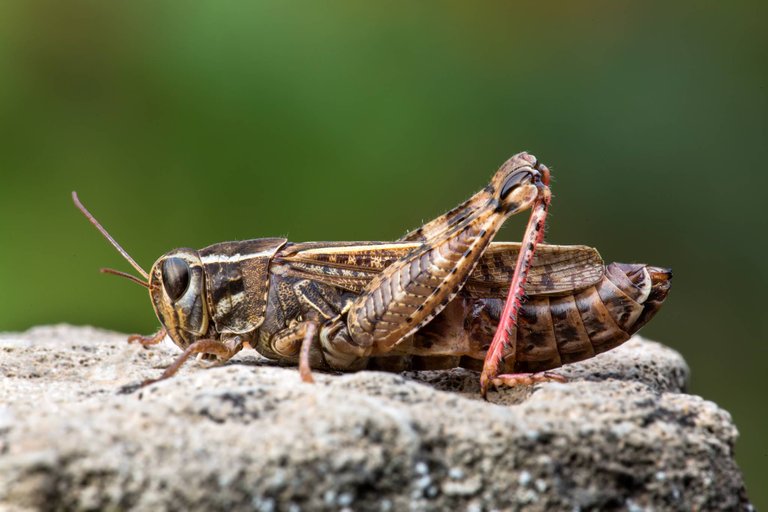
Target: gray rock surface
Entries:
(621, 434)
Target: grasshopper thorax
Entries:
(177, 289)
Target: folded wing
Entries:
(556, 269)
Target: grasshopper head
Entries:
(177, 289)
(519, 182)
(176, 285)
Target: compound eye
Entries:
(513, 182)
(175, 277)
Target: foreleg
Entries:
(146, 341)
(224, 351)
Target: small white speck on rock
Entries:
(345, 499)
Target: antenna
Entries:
(103, 231)
(123, 274)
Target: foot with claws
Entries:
(510, 380)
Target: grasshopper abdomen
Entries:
(552, 330)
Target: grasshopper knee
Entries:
(514, 186)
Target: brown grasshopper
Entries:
(433, 299)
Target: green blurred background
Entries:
(185, 124)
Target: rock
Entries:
(76, 434)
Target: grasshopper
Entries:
(442, 296)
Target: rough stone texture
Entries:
(621, 434)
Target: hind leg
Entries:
(410, 292)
